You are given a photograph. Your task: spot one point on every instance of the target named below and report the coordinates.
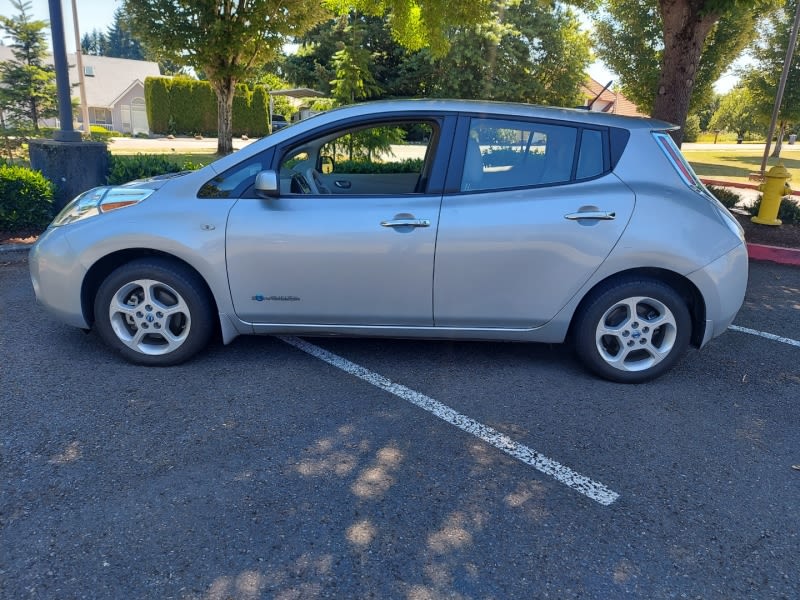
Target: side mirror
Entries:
(267, 185)
(326, 164)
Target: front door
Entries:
(360, 256)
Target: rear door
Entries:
(533, 214)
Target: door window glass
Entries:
(502, 154)
(385, 158)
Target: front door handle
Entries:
(343, 184)
(406, 223)
(598, 215)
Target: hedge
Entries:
(183, 106)
(26, 199)
(157, 101)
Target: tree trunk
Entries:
(685, 31)
(776, 153)
(224, 90)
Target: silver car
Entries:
(415, 219)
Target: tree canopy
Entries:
(738, 112)
(524, 50)
(418, 24)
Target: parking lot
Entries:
(352, 468)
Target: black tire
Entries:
(154, 312)
(632, 330)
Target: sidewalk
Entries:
(163, 145)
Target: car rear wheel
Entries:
(632, 330)
(154, 312)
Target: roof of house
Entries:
(112, 76)
(611, 101)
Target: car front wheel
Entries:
(154, 312)
(632, 330)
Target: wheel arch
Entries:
(687, 290)
(101, 269)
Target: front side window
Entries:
(386, 158)
(505, 154)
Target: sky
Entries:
(92, 14)
(99, 14)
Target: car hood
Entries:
(154, 182)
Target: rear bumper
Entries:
(723, 284)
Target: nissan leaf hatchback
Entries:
(415, 219)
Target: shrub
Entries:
(788, 211)
(728, 198)
(123, 169)
(98, 133)
(410, 165)
(26, 199)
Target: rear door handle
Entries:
(406, 223)
(598, 215)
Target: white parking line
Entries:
(589, 488)
(764, 334)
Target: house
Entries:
(608, 100)
(114, 90)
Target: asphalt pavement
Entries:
(348, 468)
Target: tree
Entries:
(227, 40)
(120, 41)
(526, 51)
(738, 112)
(94, 43)
(769, 55)
(398, 71)
(353, 80)
(27, 86)
(666, 50)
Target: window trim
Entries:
(444, 131)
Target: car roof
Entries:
(490, 108)
(423, 107)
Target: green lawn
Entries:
(735, 165)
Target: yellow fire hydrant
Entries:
(775, 187)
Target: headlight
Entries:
(100, 200)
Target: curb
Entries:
(776, 254)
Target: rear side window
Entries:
(505, 154)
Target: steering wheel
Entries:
(315, 182)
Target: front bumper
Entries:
(57, 276)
